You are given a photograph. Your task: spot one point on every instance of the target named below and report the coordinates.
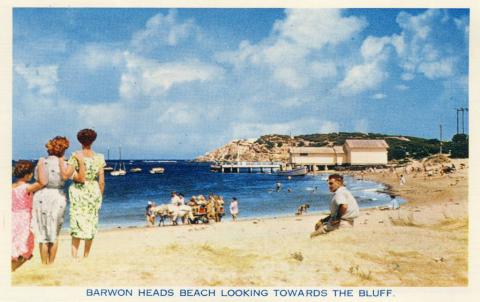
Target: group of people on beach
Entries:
(38, 208)
(213, 206)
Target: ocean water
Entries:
(126, 196)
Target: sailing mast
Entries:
(107, 167)
(120, 171)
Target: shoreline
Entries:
(424, 243)
(142, 223)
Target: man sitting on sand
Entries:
(343, 208)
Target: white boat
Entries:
(108, 168)
(118, 172)
(135, 170)
(121, 166)
(157, 170)
(302, 171)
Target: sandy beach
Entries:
(424, 243)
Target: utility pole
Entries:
(458, 109)
(441, 138)
(463, 110)
(463, 119)
(458, 127)
(466, 109)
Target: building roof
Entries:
(312, 150)
(366, 143)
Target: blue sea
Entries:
(126, 196)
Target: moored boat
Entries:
(118, 172)
(107, 167)
(135, 170)
(302, 171)
(121, 166)
(157, 170)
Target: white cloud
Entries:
(291, 102)
(314, 28)
(290, 77)
(322, 70)
(438, 69)
(299, 126)
(379, 96)
(42, 79)
(107, 115)
(421, 52)
(180, 114)
(420, 24)
(163, 30)
(373, 47)
(398, 42)
(401, 87)
(329, 127)
(463, 25)
(295, 43)
(98, 56)
(361, 78)
(371, 72)
(407, 76)
(148, 77)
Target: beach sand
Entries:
(424, 243)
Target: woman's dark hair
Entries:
(22, 168)
(86, 137)
(57, 146)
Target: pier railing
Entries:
(246, 166)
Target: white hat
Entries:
(150, 202)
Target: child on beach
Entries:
(234, 209)
(22, 197)
(149, 214)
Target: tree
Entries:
(396, 152)
(459, 146)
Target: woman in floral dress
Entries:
(86, 194)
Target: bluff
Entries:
(274, 147)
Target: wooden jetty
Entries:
(249, 167)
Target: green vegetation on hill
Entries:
(400, 147)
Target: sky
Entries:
(177, 83)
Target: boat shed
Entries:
(317, 156)
(366, 151)
(355, 152)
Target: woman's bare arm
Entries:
(79, 177)
(65, 172)
(42, 177)
(101, 180)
